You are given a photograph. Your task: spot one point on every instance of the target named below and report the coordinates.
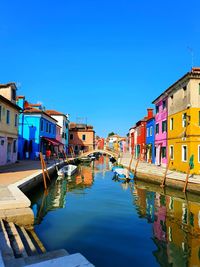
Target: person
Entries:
(48, 155)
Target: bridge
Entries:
(110, 152)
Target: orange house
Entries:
(81, 137)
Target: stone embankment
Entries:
(19, 244)
(154, 174)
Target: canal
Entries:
(118, 224)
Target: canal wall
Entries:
(154, 174)
(14, 204)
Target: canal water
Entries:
(118, 224)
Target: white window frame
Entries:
(184, 121)
(171, 156)
(198, 153)
(182, 154)
(147, 132)
(151, 130)
(171, 125)
(8, 116)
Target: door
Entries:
(9, 145)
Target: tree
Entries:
(110, 134)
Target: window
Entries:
(0, 112)
(184, 122)
(184, 91)
(151, 130)
(163, 152)
(16, 120)
(13, 94)
(42, 125)
(172, 99)
(199, 153)
(171, 124)
(14, 146)
(8, 117)
(171, 152)
(184, 153)
(83, 137)
(47, 127)
(164, 126)
(71, 137)
(157, 109)
(147, 132)
(199, 118)
(164, 104)
(157, 128)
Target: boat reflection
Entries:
(176, 225)
(56, 195)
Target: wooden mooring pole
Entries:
(44, 171)
(165, 175)
(186, 180)
(129, 167)
(136, 165)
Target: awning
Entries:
(53, 141)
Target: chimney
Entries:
(149, 113)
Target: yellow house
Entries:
(184, 122)
(9, 113)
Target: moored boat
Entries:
(67, 170)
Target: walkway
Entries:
(156, 173)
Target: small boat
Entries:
(85, 159)
(121, 172)
(67, 170)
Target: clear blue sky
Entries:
(101, 59)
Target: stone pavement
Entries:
(152, 169)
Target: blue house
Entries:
(37, 130)
(150, 140)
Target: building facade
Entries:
(63, 122)
(150, 140)
(81, 138)
(37, 131)
(184, 122)
(161, 150)
(9, 115)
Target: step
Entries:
(37, 259)
(36, 241)
(27, 241)
(5, 246)
(15, 240)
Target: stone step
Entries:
(36, 241)
(5, 246)
(29, 245)
(15, 240)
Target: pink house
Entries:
(161, 130)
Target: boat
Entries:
(121, 172)
(85, 159)
(67, 170)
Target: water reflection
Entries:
(173, 219)
(56, 195)
(176, 226)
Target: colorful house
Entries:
(37, 130)
(150, 140)
(161, 150)
(140, 145)
(63, 122)
(131, 140)
(81, 137)
(9, 114)
(184, 121)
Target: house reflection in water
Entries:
(176, 227)
(52, 199)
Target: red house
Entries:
(140, 132)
